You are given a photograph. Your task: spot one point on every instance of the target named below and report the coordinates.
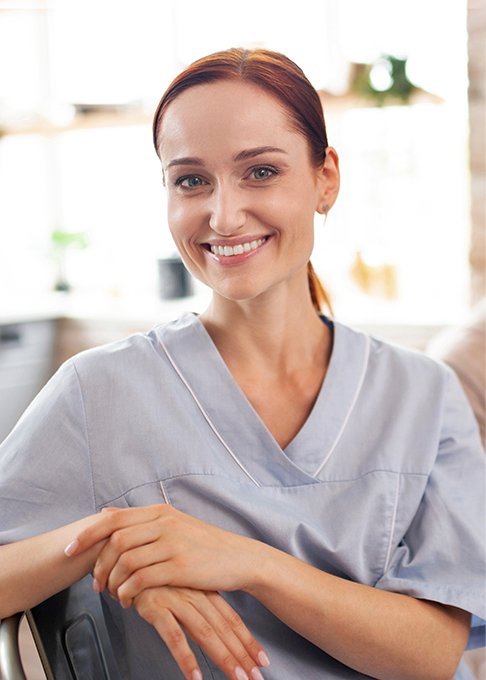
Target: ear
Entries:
(329, 181)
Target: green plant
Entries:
(61, 241)
(393, 73)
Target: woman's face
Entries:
(242, 192)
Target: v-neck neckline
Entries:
(191, 351)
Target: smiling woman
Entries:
(238, 174)
(258, 486)
(300, 110)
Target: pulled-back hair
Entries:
(277, 75)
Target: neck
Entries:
(275, 333)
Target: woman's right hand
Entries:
(211, 623)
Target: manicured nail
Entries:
(263, 659)
(255, 674)
(71, 548)
(240, 674)
(196, 675)
(96, 586)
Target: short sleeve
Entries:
(45, 472)
(441, 555)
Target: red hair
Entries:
(277, 75)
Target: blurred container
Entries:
(174, 279)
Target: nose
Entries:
(227, 212)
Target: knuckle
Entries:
(126, 562)
(139, 579)
(118, 540)
(188, 660)
(175, 637)
(252, 645)
(113, 517)
(226, 661)
(149, 607)
(146, 610)
(234, 619)
(223, 628)
(206, 632)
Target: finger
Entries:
(252, 646)
(105, 523)
(171, 633)
(126, 551)
(226, 622)
(154, 576)
(206, 627)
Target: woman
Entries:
(319, 478)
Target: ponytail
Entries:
(318, 294)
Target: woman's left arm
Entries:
(385, 635)
(388, 636)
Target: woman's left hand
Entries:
(157, 545)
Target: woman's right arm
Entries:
(35, 568)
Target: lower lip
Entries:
(228, 260)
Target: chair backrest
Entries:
(70, 634)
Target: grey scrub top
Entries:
(383, 485)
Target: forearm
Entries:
(385, 635)
(34, 569)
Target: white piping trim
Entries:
(392, 530)
(166, 498)
(360, 385)
(204, 413)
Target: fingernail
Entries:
(255, 674)
(263, 659)
(240, 674)
(71, 548)
(196, 675)
(96, 586)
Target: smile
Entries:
(229, 251)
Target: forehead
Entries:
(225, 113)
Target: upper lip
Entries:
(234, 242)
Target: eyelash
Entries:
(273, 171)
(270, 169)
(179, 181)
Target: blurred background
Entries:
(82, 202)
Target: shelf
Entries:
(332, 103)
(88, 121)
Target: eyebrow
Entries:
(242, 156)
(252, 153)
(185, 161)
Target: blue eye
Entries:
(190, 182)
(263, 172)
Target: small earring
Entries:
(325, 208)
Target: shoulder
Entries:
(129, 355)
(386, 363)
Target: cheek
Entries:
(181, 221)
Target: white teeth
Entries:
(228, 251)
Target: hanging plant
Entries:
(385, 79)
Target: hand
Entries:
(158, 545)
(213, 625)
